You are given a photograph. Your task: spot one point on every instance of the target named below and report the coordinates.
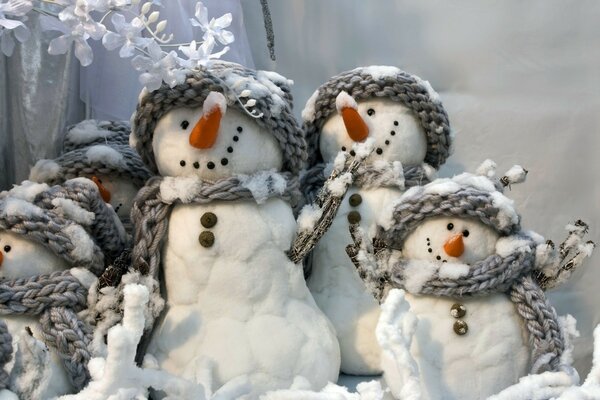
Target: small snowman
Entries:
(217, 222)
(116, 169)
(48, 257)
(470, 276)
(409, 127)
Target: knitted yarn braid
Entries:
(115, 132)
(76, 163)
(104, 228)
(6, 350)
(229, 79)
(50, 230)
(268, 28)
(150, 213)
(56, 298)
(466, 202)
(406, 89)
(542, 324)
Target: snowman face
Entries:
(398, 135)
(452, 240)
(241, 147)
(21, 258)
(122, 192)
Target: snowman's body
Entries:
(339, 291)
(491, 356)
(26, 258)
(240, 302)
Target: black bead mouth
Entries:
(430, 251)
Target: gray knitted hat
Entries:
(465, 195)
(99, 159)
(381, 82)
(62, 229)
(90, 131)
(264, 95)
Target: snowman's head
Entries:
(22, 258)
(224, 120)
(400, 111)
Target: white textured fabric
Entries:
(520, 83)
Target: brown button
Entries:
(206, 239)
(355, 200)
(208, 220)
(461, 327)
(354, 217)
(458, 310)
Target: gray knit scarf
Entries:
(366, 177)
(55, 298)
(5, 354)
(511, 275)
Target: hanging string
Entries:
(268, 28)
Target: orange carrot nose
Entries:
(355, 126)
(204, 135)
(104, 192)
(1, 258)
(455, 246)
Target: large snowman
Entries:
(48, 257)
(412, 138)
(218, 222)
(468, 269)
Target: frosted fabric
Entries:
(520, 82)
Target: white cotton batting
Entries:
(453, 270)
(338, 186)
(86, 132)
(308, 218)
(433, 95)
(105, 155)
(487, 169)
(364, 149)
(182, 188)
(83, 245)
(508, 245)
(379, 71)
(417, 273)
(27, 190)
(215, 100)
(21, 208)
(263, 183)
(71, 210)
(516, 174)
(44, 171)
(309, 111)
(344, 100)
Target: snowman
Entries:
(217, 223)
(116, 169)
(48, 257)
(408, 124)
(456, 247)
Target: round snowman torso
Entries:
(23, 258)
(235, 298)
(337, 288)
(465, 348)
(334, 282)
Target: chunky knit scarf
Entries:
(55, 298)
(512, 275)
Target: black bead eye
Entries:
(184, 124)
(450, 226)
(370, 112)
(466, 233)
(7, 248)
(239, 129)
(343, 148)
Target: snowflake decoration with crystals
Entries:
(132, 26)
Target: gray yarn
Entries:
(195, 89)
(466, 202)
(55, 298)
(404, 88)
(6, 350)
(75, 164)
(268, 28)
(105, 227)
(116, 132)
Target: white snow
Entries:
(71, 210)
(568, 326)
(86, 132)
(371, 390)
(433, 95)
(214, 100)
(487, 169)
(26, 190)
(537, 387)
(417, 273)
(338, 186)
(308, 217)
(510, 244)
(308, 113)
(364, 149)
(516, 174)
(105, 154)
(379, 71)
(262, 183)
(344, 100)
(83, 245)
(85, 276)
(453, 270)
(19, 207)
(44, 171)
(183, 188)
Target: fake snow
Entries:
(27, 190)
(71, 210)
(380, 71)
(263, 183)
(182, 188)
(87, 131)
(433, 95)
(487, 169)
(371, 390)
(104, 155)
(338, 186)
(44, 171)
(516, 174)
(308, 113)
(508, 245)
(308, 218)
(344, 100)
(364, 149)
(20, 208)
(214, 100)
(83, 245)
(85, 276)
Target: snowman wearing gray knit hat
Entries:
(93, 150)
(472, 278)
(217, 220)
(409, 127)
(53, 242)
